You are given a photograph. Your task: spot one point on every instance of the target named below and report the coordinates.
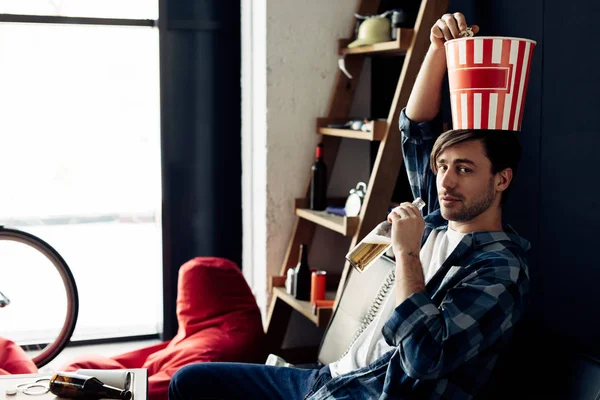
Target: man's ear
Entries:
(503, 179)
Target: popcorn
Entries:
(467, 32)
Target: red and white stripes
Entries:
(488, 79)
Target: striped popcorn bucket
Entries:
(488, 79)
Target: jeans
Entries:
(215, 380)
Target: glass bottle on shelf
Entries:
(398, 21)
(376, 243)
(303, 275)
(318, 182)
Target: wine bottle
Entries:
(303, 275)
(318, 182)
(72, 385)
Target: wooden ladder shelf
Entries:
(413, 45)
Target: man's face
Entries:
(465, 183)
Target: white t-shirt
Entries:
(371, 345)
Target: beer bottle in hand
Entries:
(303, 275)
(318, 182)
(375, 244)
(72, 385)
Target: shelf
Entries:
(394, 47)
(412, 45)
(304, 307)
(378, 132)
(344, 225)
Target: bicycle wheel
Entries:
(35, 285)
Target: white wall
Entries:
(289, 62)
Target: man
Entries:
(460, 282)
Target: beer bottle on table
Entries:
(72, 385)
(318, 182)
(303, 275)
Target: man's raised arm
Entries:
(425, 97)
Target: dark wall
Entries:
(201, 139)
(555, 198)
(569, 196)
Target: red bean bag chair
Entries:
(13, 359)
(218, 321)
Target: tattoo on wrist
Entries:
(412, 254)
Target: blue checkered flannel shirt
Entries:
(447, 339)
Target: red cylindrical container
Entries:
(488, 78)
(317, 287)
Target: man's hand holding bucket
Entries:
(448, 27)
(425, 100)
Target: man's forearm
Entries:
(409, 276)
(425, 98)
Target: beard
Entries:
(470, 210)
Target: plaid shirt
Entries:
(448, 338)
(417, 143)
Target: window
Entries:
(133, 9)
(80, 140)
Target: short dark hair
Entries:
(502, 148)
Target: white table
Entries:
(139, 388)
